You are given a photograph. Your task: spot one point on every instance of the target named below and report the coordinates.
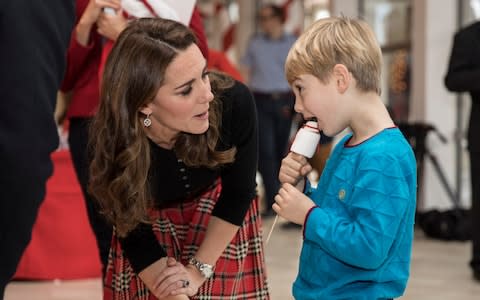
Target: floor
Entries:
(439, 271)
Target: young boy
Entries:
(358, 222)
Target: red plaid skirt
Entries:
(239, 272)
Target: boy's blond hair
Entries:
(337, 40)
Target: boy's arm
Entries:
(363, 236)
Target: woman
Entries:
(92, 38)
(174, 170)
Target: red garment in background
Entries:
(81, 75)
(217, 60)
(62, 244)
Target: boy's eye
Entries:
(205, 74)
(299, 88)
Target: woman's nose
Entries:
(207, 92)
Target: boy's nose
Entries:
(298, 107)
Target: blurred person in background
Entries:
(34, 37)
(463, 75)
(263, 70)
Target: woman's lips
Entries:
(202, 116)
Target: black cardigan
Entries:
(173, 182)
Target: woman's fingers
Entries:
(177, 282)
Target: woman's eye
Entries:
(186, 91)
(205, 74)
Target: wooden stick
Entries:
(271, 229)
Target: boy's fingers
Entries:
(296, 156)
(305, 169)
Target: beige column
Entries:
(347, 8)
(246, 25)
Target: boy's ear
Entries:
(342, 77)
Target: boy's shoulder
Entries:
(391, 149)
(386, 146)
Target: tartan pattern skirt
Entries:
(239, 272)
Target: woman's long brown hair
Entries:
(134, 71)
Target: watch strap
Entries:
(205, 269)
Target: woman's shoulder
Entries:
(238, 113)
(237, 89)
(237, 98)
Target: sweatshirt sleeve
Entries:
(378, 202)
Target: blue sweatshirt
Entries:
(358, 240)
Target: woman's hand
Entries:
(292, 204)
(170, 285)
(178, 279)
(111, 25)
(294, 168)
(167, 277)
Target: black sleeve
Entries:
(34, 37)
(238, 179)
(141, 247)
(464, 67)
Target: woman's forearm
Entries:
(218, 236)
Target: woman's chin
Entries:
(200, 129)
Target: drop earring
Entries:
(147, 121)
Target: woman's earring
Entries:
(147, 121)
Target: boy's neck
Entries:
(369, 117)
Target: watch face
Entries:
(207, 271)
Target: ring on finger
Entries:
(185, 283)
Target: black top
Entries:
(173, 182)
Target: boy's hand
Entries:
(292, 204)
(294, 167)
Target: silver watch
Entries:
(205, 269)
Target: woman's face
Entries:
(182, 102)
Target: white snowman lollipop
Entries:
(306, 140)
(305, 144)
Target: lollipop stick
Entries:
(271, 229)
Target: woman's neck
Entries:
(161, 141)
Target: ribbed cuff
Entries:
(306, 218)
